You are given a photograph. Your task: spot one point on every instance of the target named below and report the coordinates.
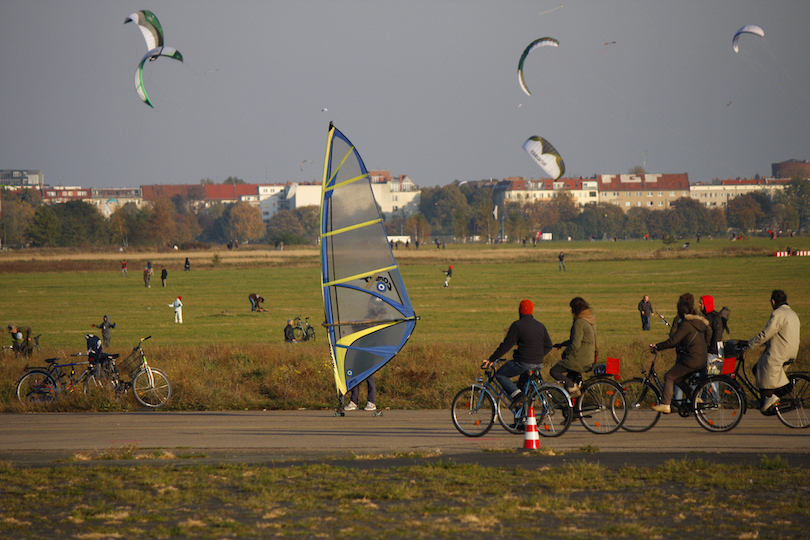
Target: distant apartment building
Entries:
(520, 190)
(720, 192)
(652, 191)
(22, 178)
(108, 200)
(792, 168)
(397, 196)
(62, 194)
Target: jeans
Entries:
(645, 321)
(372, 391)
(514, 368)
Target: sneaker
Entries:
(352, 406)
(769, 402)
(666, 409)
(370, 406)
(574, 391)
(518, 401)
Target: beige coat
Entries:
(781, 339)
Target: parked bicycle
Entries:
(793, 407)
(42, 385)
(150, 385)
(716, 401)
(475, 408)
(303, 331)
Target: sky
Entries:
(423, 88)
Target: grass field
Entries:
(459, 325)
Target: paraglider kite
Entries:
(542, 42)
(153, 34)
(545, 155)
(747, 29)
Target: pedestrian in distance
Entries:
(187, 266)
(561, 258)
(646, 310)
(178, 309)
(124, 272)
(448, 274)
(21, 339)
(781, 337)
(289, 332)
(147, 276)
(256, 302)
(163, 275)
(106, 332)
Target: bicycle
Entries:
(602, 406)
(301, 332)
(474, 408)
(150, 385)
(42, 385)
(794, 398)
(716, 401)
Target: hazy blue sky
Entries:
(424, 88)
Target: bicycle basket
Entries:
(131, 364)
(610, 368)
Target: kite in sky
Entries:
(747, 29)
(153, 34)
(545, 155)
(542, 42)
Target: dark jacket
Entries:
(715, 330)
(690, 339)
(532, 340)
(289, 334)
(645, 308)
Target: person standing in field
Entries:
(448, 275)
(164, 274)
(147, 275)
(178, 309)
(646, 310)
(106, 332)
(187, 266)
(781, 339)
(561, 258)
(124, 272)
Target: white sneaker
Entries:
(352, 406)
(769, 402)
(370, 406)
(666, 409)
(574, 391)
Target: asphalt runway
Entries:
(360, 439)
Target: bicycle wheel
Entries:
(552, 411)
(37, 387)
(473, 411)
(601, 408)
(512, 421)
(151, 393)
(298, 334)
(718, 404)
(310, 334)
(640, 399)
(103, 377)
(793, 407)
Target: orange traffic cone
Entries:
(531, 439)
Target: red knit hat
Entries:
(526, 307)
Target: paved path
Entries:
(288, 435)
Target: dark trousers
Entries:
(372, 391)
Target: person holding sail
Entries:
(376, 312)
(533, 343)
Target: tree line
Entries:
(457, 211)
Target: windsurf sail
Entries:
(369, 316)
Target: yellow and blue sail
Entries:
(369, 316)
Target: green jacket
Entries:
(581, 346)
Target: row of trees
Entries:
(458, 211)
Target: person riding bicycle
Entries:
(22, 342)
(533, 344)
(781, 339)
(580, 348)
(689, 336)
(706, 306)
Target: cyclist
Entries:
(781, 339)
(706, 306)
(533, 343)
(580, 348)
(22, 342)
(689, 336)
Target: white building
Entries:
(720, 192)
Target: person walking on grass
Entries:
(147, 275)
(448, 275)
(178, 309)
(164, 274)
(124, 272)
(561, 258)
(646, 310)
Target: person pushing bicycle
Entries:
(533, 344)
